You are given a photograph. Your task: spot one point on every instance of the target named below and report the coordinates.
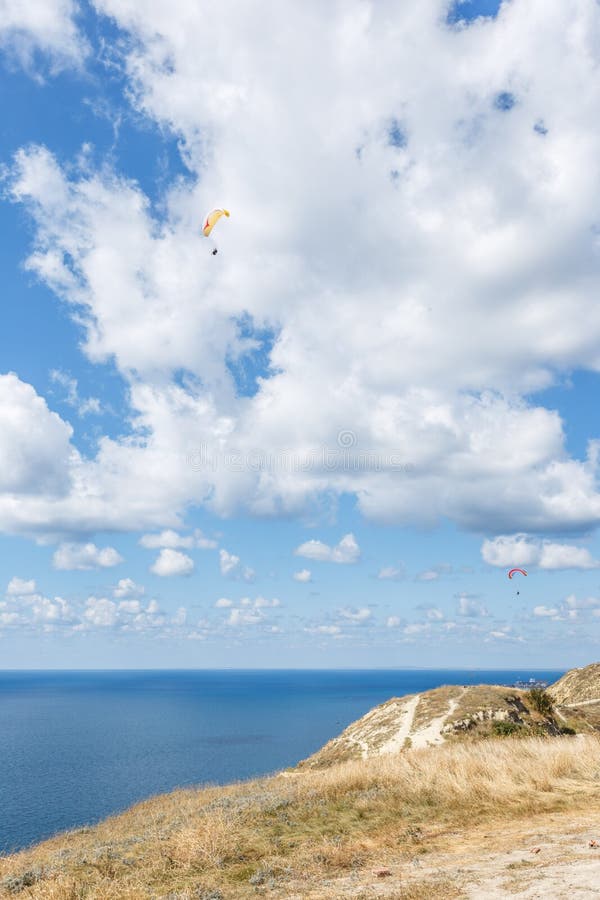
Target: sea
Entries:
(78, 746)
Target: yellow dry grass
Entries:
(309, 827)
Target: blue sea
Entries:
(78, 746)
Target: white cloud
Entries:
(85, 556)
(324, 629)
(356, 615)
(475, 225)
(168, 538)
(36, 612)
(172, 562)
(101, 612)
(572, 602)
(240, 617)
(303, 576)
(84, 406)
(264, 603)
(19, 587)
(204, 543)
(223, 603)
(428, 575)
(435, 572)
(391, 573)
(127, 587)
(522, 550)
(47, 25)
(347, 551)
(52, 612)
(470, 607)
(416, 628)
(131, 607)
(393, 622)
(545, 611)
(231, 567)
(180, 617)
(228, 562)
(434, 614)
(172, 539)
(35, 450)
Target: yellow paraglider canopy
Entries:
(212, 219)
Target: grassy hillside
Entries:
(320, 833)
(577, 686)
(399, 806)
(450, 713)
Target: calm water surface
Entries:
(78, 746)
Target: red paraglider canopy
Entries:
(512, 572)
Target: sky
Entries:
(326, 445)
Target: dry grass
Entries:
(316, 825)
(434, 703)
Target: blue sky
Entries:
(326, 445)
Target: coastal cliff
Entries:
(458, 713)
(460, 792)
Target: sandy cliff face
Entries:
(447, 713)
(455, 712)
(577, 686)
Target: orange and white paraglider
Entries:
(210, 222)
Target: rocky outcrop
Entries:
(452, 712)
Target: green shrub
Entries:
(505, 727)
(541, 701)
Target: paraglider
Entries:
(210, 222)
(513, 572)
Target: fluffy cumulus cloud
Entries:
(347, 551)
(19, 587)
(85, 556)
(522, 550)
(172, 562)
(231, 566)
(31, 612)
(36, 458)
(545, 611)
(303, 576)
(239, 617)
(371, 217)
(127, 588)
(223, 603)
(41, 25)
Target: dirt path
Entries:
(432, 733)
(396, 742)
(492, 863)
(581, 703)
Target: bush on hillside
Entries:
(541, 701)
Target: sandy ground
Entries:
(396, 742)
(484, 865)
